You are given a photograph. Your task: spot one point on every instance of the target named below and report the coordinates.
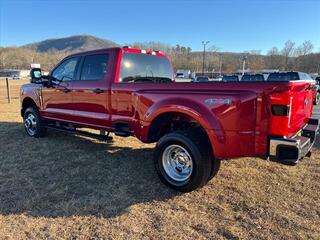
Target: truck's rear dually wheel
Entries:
(183, 159)
(177, 163)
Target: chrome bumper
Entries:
(291, 150)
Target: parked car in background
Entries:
(230, 78)
(180, 75)
(184, 73)
(298, 76)
(317, 79)
(132, 92)
(289, 76)
(219, 78)
(16, 77)
(253, 78)
(202, 79)
(316, 99)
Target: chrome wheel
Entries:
(177, 163)
(30, 124)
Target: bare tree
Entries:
(300, 58)
(305, 48)
(2, 58)
(213, 49)
(254, 60)
(212, 58)
(300, 61)
(274, 59)
(273, 51)
(166, 48)
(287, 52)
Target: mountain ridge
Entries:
(75, 43)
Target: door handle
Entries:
(66, 90)
(97, 91)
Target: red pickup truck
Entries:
(132, 92)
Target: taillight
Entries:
(280, 110)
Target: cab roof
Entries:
(123, 49)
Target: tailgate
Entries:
(301, 97)
(291, 108)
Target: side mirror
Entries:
(35, 75)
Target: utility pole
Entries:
(220, 64)
(244, 58)
(204, 54)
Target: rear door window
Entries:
(94, 67)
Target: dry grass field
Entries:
(70, 187)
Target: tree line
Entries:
(21, 58)
(289, 57)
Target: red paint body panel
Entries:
(300, 101)
(236, 116)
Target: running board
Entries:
(122, 134)
(121, 129)
(100, 137)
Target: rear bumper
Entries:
(291, 150)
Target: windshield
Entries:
(145, 68)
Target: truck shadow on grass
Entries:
(64, 175)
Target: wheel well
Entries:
(170, 122)
(27, 102)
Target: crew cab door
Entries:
(90, 93)
(57, 99)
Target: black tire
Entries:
(31, 116)
(215, 167)
(195, 142)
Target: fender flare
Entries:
(199, 112)
(31, 101)
(195, 110)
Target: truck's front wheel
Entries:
(33, 124)
(183, 160)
